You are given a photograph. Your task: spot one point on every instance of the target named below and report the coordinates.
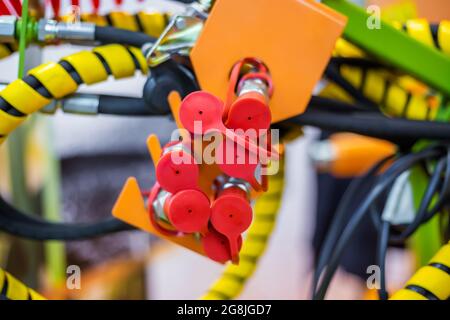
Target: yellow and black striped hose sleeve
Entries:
(57, 80)
(7, 49)
(233, 279)
(431, 282)
(13, 289)
(397, 95)
(435, 35)
(151, 23)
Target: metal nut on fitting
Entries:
(254, 85)
(237, 183)
(158, 205)
(7, 28)
(47, 30)
(81, 104)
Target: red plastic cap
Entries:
(11, 7)
(174, 177)
(56, 7)
(204, 107)
(216, 246)
(236, 161)
(249, 112)
(189, 211)
(231, 214)
(95, 6)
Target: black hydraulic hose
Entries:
(125, 106)
(385, 180)
(331, 105)
(424, 204)
(338, 221)
(17, 223)
(374, 125)
(332, 73)
(107, 35)
(357, 62)
(382, 246)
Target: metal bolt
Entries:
(7, 28)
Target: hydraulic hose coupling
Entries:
(52, 30)
(7, 29)
(231, 214)
(187, 211)
(176, 169)
(250, 109)
(178, 205)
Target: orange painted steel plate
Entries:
(294, 38)
(130, 208)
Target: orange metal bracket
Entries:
(130, 208)
(293, 38)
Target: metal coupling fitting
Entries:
(237, 183)
(7, 28)
(51, 30)
(254, 85)
(81, 104)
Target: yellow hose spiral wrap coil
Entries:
(5, 50)
(398, 96)
(233, 279)
(431, 282)
(13, 289)
(151, 23)
(420, 29)
(63, 78)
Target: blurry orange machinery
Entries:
(347, 155)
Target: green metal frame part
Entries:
(395, 47)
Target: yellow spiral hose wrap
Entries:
(13, 289)
(151, 23)
(421, 30)
(431, 282)
(397, 95)
(52, 80)
(233, 279)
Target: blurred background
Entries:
(95, 156)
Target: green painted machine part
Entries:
(395, 47)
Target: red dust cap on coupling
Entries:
(201, 106)
(249, 111)
(231, 212)
(231, 215)
(173, 176)
(189, 211)
(216, 246)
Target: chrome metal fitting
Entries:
(81, 104)
(51, 30)
(254, 85)
(7, 28)
(51, 108)
(158, 204)
(237, 183)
